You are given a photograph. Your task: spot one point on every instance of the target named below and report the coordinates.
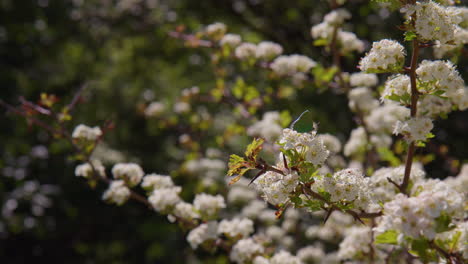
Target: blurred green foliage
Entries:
(122, 52)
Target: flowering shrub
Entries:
(265, 205)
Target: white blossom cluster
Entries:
(347, 186)
(165, 199)
(414, 129)
(164, 195)
(347, 41)
(185, 211)
(86, 170)
(156, 181)
(356, 243)
(155, 109)
(245, 250)
(433, 21)
(416, 216)
(361, 79)
(337, 16)
(268, 50)
(117, 193)
(460, 99)
(230, 40)
(204, 232)
(207, 205)
(265, 50)
(240, 193)
(350, 42)
(385, 56)
(215, 30)
(268, 128)
(362, 100)
(282, 257)
(460, 181)
(236, 228)
(358, 141)
(292, 64)
(210, 170)
(331, 142)
(257, 209)
(275, 187)
(308, 144)
(433, 106)
(84, 132)
(181, 107)
(384, 118)
(398, 85)
(131, 173)
(311, 254)
(460, 35)
(440, 75)
(333, 229)
(460, 38)
(246, 51)
(383, 190)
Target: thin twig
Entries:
(414, 109)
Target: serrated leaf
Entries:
(236, 165)
(254, 148)
(387, 237)
(235, 179)
(410, 35)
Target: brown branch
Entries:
(34, 107)
(354, 214)
(76, 97)
(414, 105)
(191, 39)
(34, 120)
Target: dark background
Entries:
(56, 46)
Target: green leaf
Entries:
(296, 200)
(320, 42)
(387, 155)
(443, 223)
(410, 35)
(314, 205)
(420, 247)
(420, 144)
(454, 242)
(285, 118)
(388, 237)
(394, 97)
(239, 88)
(236, 165)
(254, 148)
(438, 92)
